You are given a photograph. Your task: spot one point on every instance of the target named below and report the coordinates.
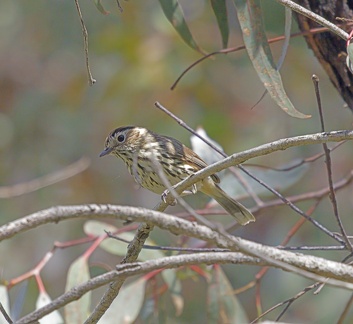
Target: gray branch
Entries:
(124, 271)
(315, 268)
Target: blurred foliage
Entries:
(50, 117)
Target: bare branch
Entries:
(319, 266)
(47, 180)
(131, 269)
(332, 194)
(133, 251)
(91, 81)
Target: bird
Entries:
(140, 148)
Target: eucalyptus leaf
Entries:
(52, 318)
(97, 228)
(250, 19)
(220, 10)
(223, 306)
(77, 311)
(127, 305)
(174, 288)
(4, 299)
(100, 7)
(174, 13)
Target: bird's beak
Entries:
(106, 151)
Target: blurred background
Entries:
(50, 117)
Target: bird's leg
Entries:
(172, 201)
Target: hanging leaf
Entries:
(127, 305)
(97, 228)
(77, 311)
(223, 306)
(117, 247)
(100, 7)
(174, 285)
(250, 19)
(52, 318)
(220, 10)
(175, 15)
(4, 299)
(287, 30)
(17, 305)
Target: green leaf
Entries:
(220, 10)
(52, 318)
(4, 299)
(175, 15)
(287, 30)
(100, 7)
(223, 306)
(127, 305)
(119, 248)
(97, 228)
(116, 247)
(77, 311)
(250, 19)
(174, 285)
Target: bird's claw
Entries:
(169, 200)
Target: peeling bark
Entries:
(329, 49)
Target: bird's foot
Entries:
(168, 199)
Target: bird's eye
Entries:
(121, 138)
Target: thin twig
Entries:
(178, 227)
(21, 225)
(47, 180)
(242, 47)
(124, 271)
(293, 230)
(345, 311)
(209, 143)
(182, 249)
(182, 202)
(168, 248)
(280, 196)
(306, 160)
(288, 301)
(119, 6)
(308, 266)
(317, 195)
(294, 207)
(332, 194)
(91, 81)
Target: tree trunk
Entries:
(327, 47)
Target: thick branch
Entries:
(131, 269)
(56, 214)
(319, 266)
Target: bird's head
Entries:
(124, 139)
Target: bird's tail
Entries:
(234, 208)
